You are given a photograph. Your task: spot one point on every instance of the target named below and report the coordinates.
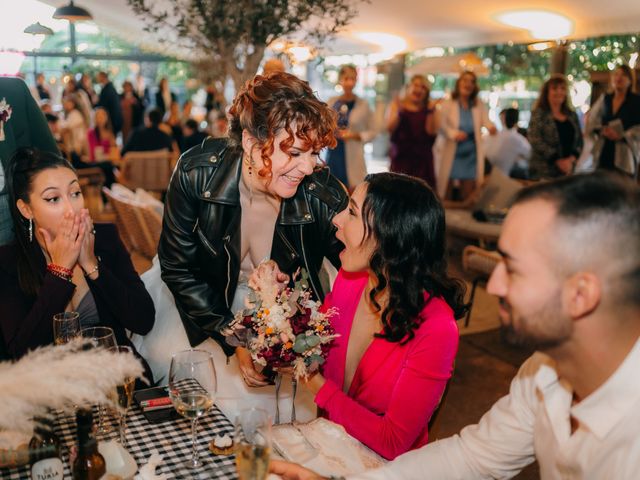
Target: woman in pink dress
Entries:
(386, 373)
(102, 140)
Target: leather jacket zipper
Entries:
(206, 243)
(292, 251)
(306, 264)
(226, 289)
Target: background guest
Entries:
(164, 96)
(614, 121)
(554, 132)
(102, 139)
(110, 101)
(460, 148)
(149, 137)
(43, 91)
(508, 150)
(192, 135)
(84, 102)
(132, 110)
(74, 127)
(412, 125)
(355, 127)
(86, 85)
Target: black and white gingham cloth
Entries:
(171, 439)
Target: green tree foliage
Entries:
(233, 35)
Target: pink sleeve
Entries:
(416, 394)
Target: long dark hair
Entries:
(24, 165)
(406, 220)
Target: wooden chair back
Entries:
(148, 170)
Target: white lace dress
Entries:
(168, 336)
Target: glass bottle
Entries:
(44, 451)
(89, 464)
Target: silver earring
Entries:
(31, 230)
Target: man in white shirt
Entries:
(508, 149)
(568, 284)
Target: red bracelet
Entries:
(60, 271)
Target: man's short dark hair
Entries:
(511, 116)
(599, 214)
(192, 124)
(155, 117)
(51, 117)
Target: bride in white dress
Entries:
(168, 336)
(231, 204)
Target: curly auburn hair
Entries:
(406, 220)
(269, 103)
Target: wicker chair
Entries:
(148, 170)
(91, 181)
(139, 224)
(480, 263)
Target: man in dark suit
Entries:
(26, 127)
(110, 101)
(150, 137)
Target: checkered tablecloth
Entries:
(171, 439)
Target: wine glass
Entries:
(192, 389)
(252, 444)
(122, 395)
(66, 327)
(105, 338)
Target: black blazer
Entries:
(121, 298)
(160, 102)
(110, 101)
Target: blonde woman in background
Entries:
(412, 124)
(461, 156)
(355, 128)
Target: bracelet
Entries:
(60, 271)
(94, 269)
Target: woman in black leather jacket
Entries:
(261, 193)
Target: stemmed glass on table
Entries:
(252, 444)
(66, 327)
(105, 338)
(123, 395)
(192, 388)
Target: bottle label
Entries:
(47, 469)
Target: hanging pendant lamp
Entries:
(38, 29)
(72, 13)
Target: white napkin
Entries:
(148, 471)
(325, 447)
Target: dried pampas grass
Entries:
(59, 377)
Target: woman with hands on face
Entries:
(61, 261)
